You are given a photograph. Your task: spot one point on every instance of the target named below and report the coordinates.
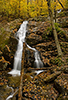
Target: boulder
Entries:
(33, 39)
(37, 27)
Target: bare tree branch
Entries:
(61, 4)
(22, 73)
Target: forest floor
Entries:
(51, 84)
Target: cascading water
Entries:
(21, 34)
(38, 62)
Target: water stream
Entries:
(20, 36)
(21, 33)
(38, 62)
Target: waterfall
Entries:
(38, 63)
(21, 33)
(20, 36)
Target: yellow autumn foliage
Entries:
(28, 8)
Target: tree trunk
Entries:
(22, 73)
(55, 12)
(56, 40)
(54, 30)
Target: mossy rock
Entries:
(5, 92)
(4, 38)
(7, 30)
(57, 61)
(27, 77)
(13, 81)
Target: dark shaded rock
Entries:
(33, 39)
(51, 77)
(61, 83)
(6, 31)
(13, 81)
(5, 92)
(37, 27)
(27, 77)
(47, 46)
(65, 69)
(8, 43)
(46, 61)
(29, 58)
(63, 96)
(3, 65)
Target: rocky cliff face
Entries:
(51, 83)
(39, 36)
(8, 43)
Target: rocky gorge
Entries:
(52, 84)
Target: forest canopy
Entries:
(28, 8)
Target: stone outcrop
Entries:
(8, 43)
(50, 84)
(33, 39)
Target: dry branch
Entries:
(22, 73)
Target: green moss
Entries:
(47, 33)
(57, 61)
(2, 30)
(4, 38)
(57, 27)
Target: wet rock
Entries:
(14, 81)
(5, 92)
(33, 39)
(7, 41)
(29, 58)
(27, 77)
(61, 83)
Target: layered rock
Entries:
(7, 42)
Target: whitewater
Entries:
(20, 36)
